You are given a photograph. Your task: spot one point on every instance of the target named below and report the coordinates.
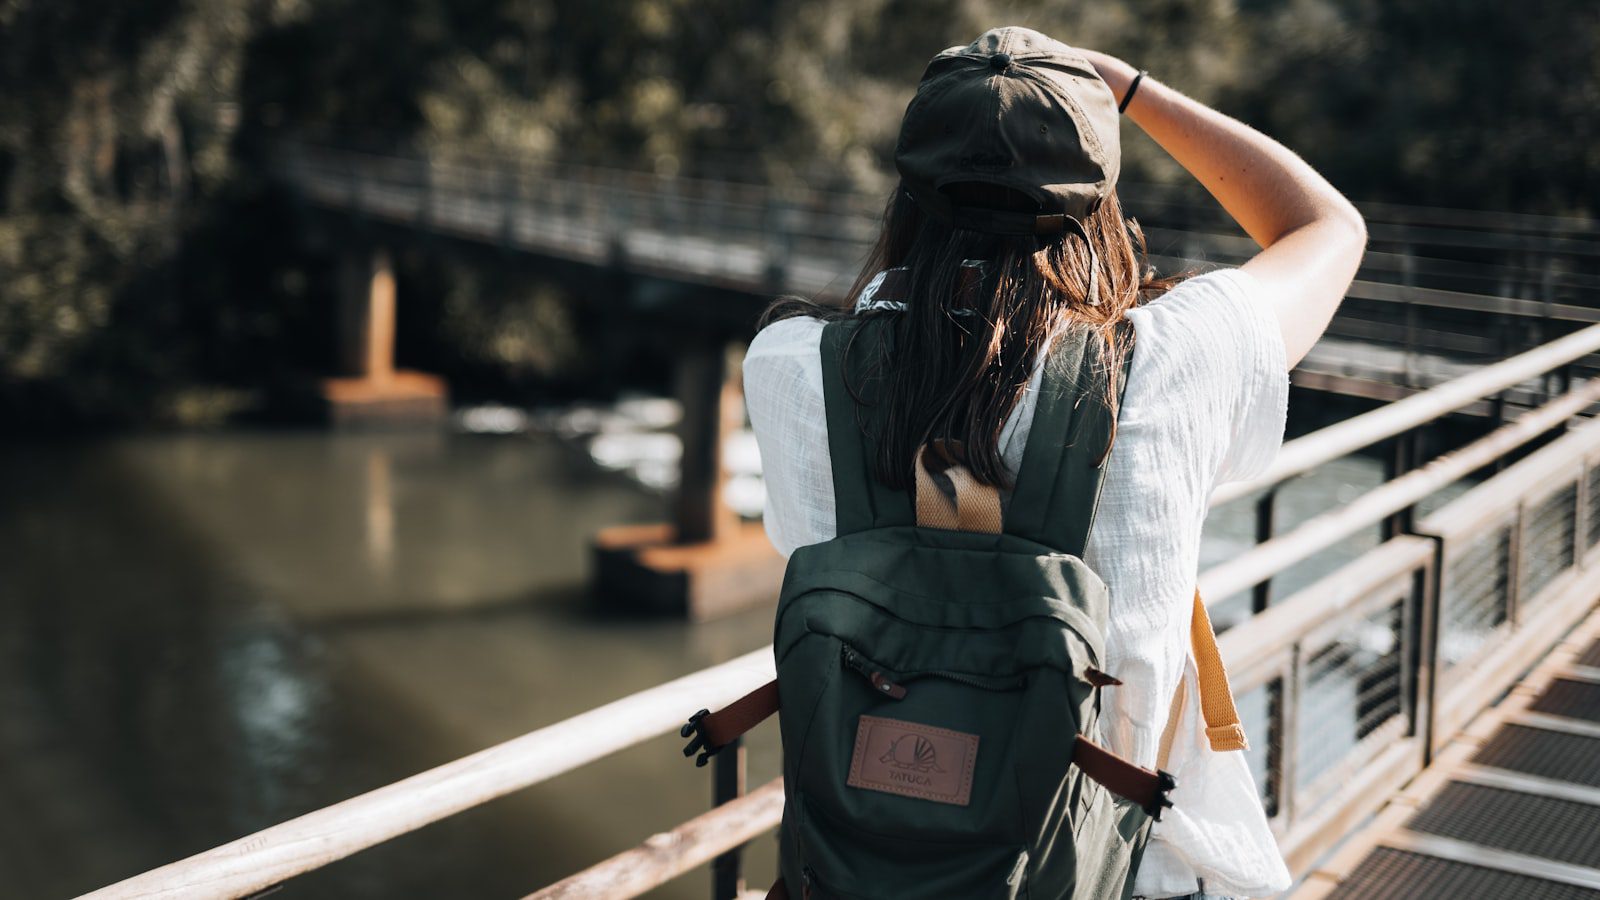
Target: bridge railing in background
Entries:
(1431, 282)
(1341, 683)
(1444, 249)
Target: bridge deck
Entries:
(1510, 809)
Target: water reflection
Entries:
(215, 633)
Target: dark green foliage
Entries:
(142, 255)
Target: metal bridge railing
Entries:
(1430, 284)
(1355, 680)
(1343, 683)
(809, 240)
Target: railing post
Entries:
(1583, 513)
(779, 242)
(1497, 412)
(1288, 746)
(1563, 385)
(1408, 280)
(619, 207)
(1403, 457)
(1261, 594)
(1514, 568)
(428, 214)
(1547, 300)
(728, 783)
(358, 190)
(1420, 674)
(505, 197)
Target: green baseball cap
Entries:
(1015, 109)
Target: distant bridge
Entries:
(1439, 291)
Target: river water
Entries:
(202, 635)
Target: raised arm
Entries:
(1311, 237)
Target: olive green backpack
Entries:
(939, 669)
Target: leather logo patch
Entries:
(914, 760)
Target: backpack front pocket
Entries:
(844, 861)
(886, 743)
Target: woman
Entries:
(1206, 387)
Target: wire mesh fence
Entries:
(1350, 688)
(1261, 713)
(1474, 600)
(1548, 542)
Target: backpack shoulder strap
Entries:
(1058, 484)
(860, 500)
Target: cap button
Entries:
(1000, 61)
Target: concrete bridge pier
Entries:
(706, 562)
(370, 391)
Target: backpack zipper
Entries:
(877, 679)
(1070, 626)
(886, 686)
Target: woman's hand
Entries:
(1312, 238)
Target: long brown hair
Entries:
(959, 376)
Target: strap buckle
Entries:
(1159, 800)
(696, 727)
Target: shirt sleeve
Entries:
(1234, 354)
(782, 376)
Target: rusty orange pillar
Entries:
(372, 392)
(379, 338)
(712, 410)
(705, 562)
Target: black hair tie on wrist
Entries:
(1134, 86)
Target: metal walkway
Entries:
(1510, 810)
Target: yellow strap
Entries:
(1174, 716)
(976, 506)
(1223, 728)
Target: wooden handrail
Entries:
(1270, 557)
(1251, 644)
(1359, 432)
(663, 857)
(271, 856)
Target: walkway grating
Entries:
(1573, 699)
(1390, 874)
(1591, 657)
(1509, 811)
(1548, 754)
(1511, 820)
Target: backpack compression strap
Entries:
(713, 731)
(1223, 728)
(709, 732)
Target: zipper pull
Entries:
(886, 687)
(879, 681)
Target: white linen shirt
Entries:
(1205, 404)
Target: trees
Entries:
(131, 201)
